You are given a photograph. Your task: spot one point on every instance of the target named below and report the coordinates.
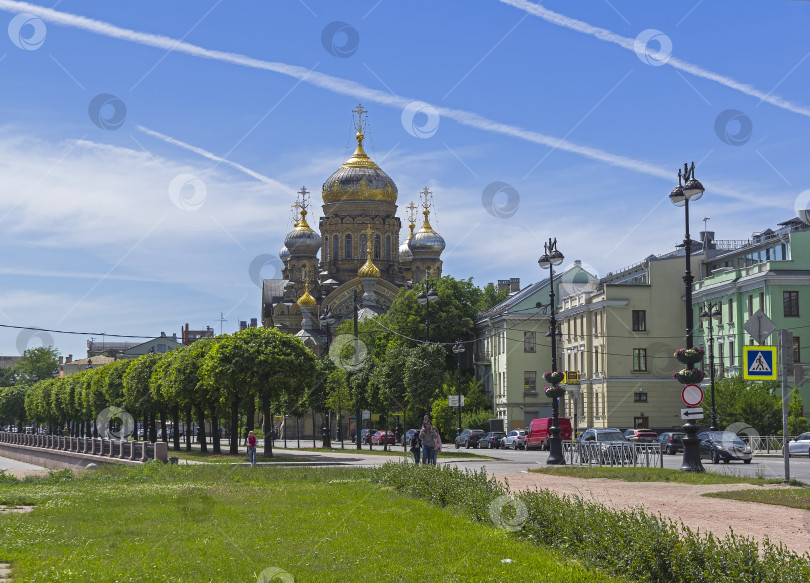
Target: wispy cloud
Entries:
(628, 44)
(215, 158)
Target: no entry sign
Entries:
(692, 395)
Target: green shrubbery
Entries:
(630, 543)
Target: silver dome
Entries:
(405, 255)
(426, 242)
(284, 254)
(303, 241)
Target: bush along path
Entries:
(631, 543)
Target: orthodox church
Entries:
(355, 256)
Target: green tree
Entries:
(750, 402)
(138, 396)
(424, 373)
(36, 364)
(12, 405)
(7, 376)
(797, 422)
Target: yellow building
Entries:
(620, 336)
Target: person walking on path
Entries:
(251, 441)
(438, 448)
(428, 435)
(416, 447)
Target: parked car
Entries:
(365, 435)
(671, 442)
(381, 437)
(469, 438)
(538, 433)
(491, 440)
(640, 435)
(725, 446)
(799, 445)
(515, 439)
(407, 437)
(605, 442)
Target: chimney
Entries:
(503, 284)
(254, 323)
(242, 325)
(61, 360)
(514, 285)
(69, 359)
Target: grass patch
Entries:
(631, 543)
(631, 474)
(194, 523)
(224, 458)
(792, 497)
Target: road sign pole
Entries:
(785, 344)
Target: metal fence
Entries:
(765, 443)
(646, 455)
(108, 448)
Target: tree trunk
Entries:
(176, 426)
(234, 441)
(215, 432)
(251, 414)
(314, 432)
(163, 436)
(188, 428)
(152, 427)
(298, 432)
(201, 430)
(268, 430)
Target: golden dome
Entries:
(306, 300)
(359, 179)
(368, 269)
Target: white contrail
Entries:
(214, 157)
(628, 44)
(349, 88)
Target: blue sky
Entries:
(147, 211)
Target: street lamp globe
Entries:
(458, 348)
(556, 257)
(544, 261)
(677, 196)
(693, 189)
(422, 298)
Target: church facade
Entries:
(356, 253)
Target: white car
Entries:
(515, 439)
(800, 445)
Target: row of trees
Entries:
(228, 378)
(758, 405)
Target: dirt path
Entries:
(684, 502)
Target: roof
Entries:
(515, 299)
(273, 290)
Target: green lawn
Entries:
(224, 458)
(631, 474)
(793, 497)
(215, 523)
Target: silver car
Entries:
(515, 439)
(799, 445)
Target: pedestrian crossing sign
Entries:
(760, 363)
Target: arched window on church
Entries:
(325, 249)
(293, 273)
(388, 247)
(427, 272)
(336, 247)
(303, 273)
(348, 246)
(363, 246)
(376, 246)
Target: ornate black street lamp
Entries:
(458, 350)
(550, 258)
(711, 311)
(689, 188)
(327, 319)
(425, 297)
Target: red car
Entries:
(641, 435)
(382, 437)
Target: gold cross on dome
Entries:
(427, 200)
(411, 212)
(361, 113)
(304, 198)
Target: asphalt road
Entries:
(7, 464)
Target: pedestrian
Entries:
(438, 447)
(251, 441)
(428, 435)
(416, 446)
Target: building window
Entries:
(376, 246)
(530, 381)
(326, 248)
(639, 320)
(596, 403)
(596, 359)
(640, 397)
(641, 422)
(797, 349)
(721, 355)
(362, 251)
(731, 353)
(762, 301)
(336, 247)
(791, 302)
(640, 359)
(529, 341)
(730, 310)
(388, 247)
(750, 305)
(348, 247)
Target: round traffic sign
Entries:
(692, 395)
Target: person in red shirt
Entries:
(251, 440)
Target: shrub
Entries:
(631, 543)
